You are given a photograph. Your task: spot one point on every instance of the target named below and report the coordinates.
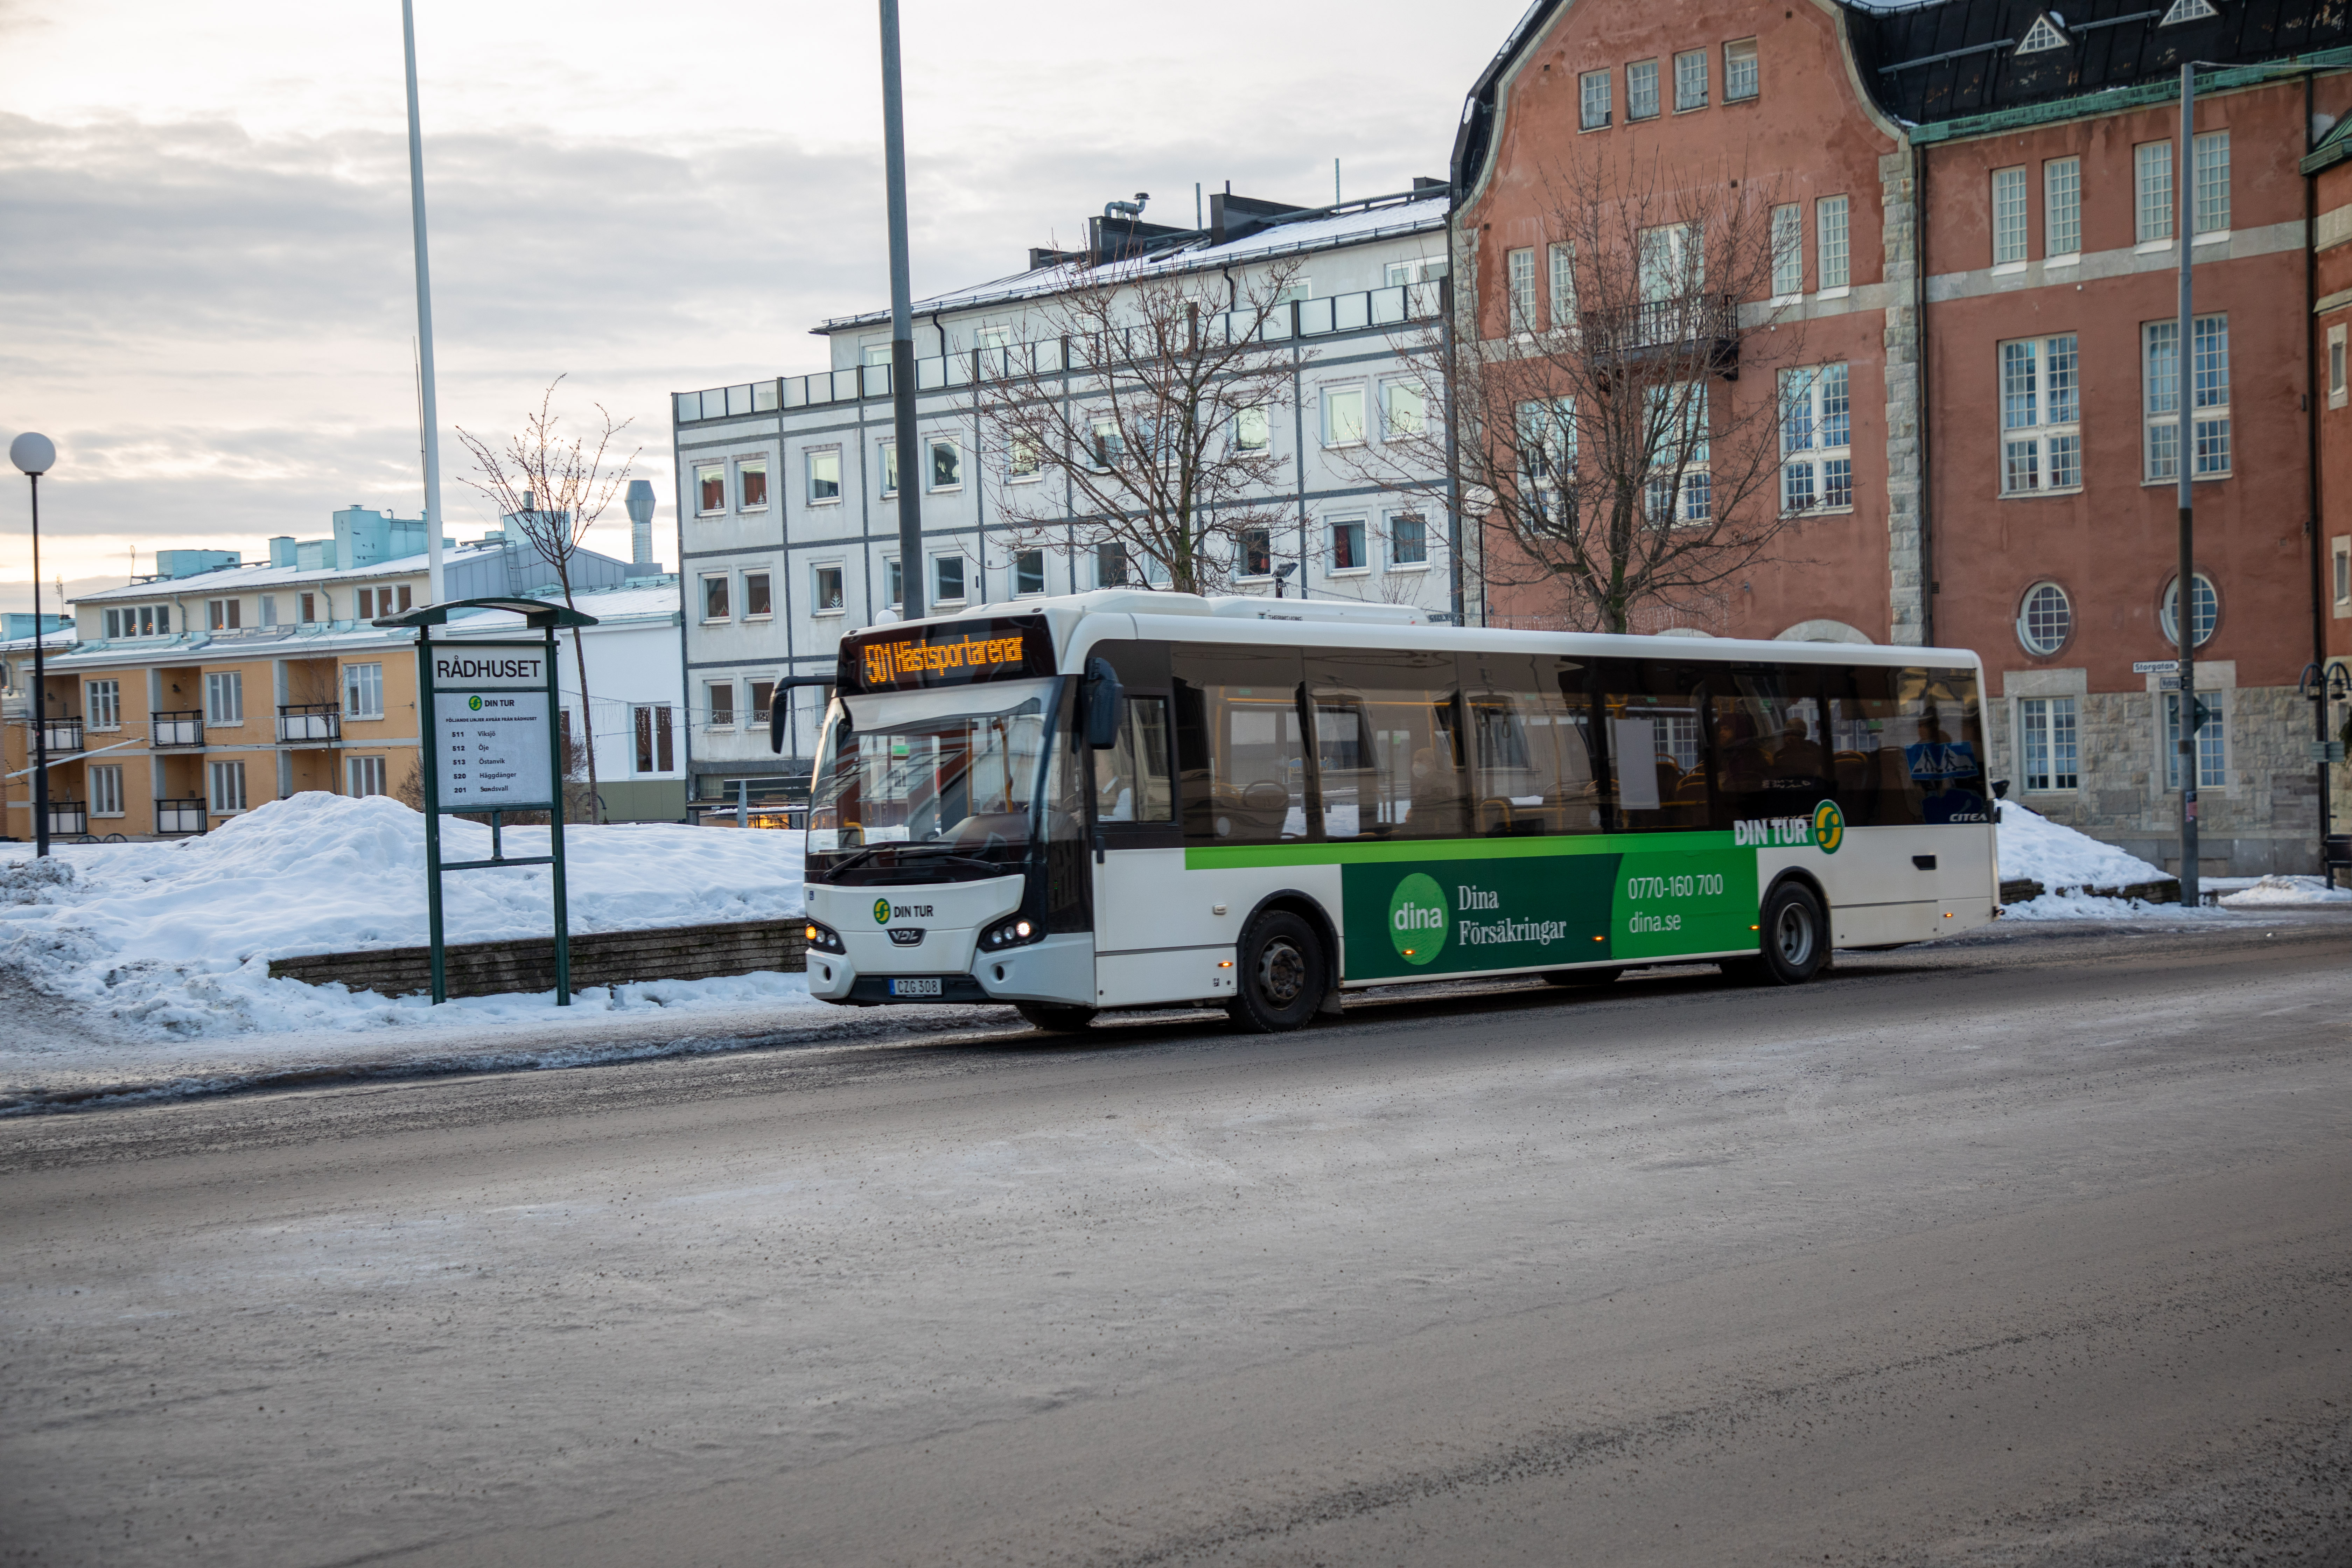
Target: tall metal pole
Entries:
(902, 322)
(432, 432)
(2184, 618)
(40, 693)
(555, 761)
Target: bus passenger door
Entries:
(1138, 863)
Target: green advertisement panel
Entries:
(1463, 907)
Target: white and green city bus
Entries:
(1125, 799)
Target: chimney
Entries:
(641, 522)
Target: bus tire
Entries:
(1583, 976)
(1282, 974)
(1055, 1017)
(1796, 939)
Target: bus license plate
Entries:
(915, 987)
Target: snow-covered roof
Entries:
(630, 601)
(1314, 229)
(259, 574)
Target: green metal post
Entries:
(429, 757)
(556, 820)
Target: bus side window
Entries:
(1240, 744)
(1530, 746)
(1387, 759)
(1134, 781)
(1656, 763)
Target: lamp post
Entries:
(34, 454)
(2184, 615)
(911, 460)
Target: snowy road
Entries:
(2031, 1249)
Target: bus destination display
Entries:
(1010, 649)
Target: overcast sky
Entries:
(204, 259)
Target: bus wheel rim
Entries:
(1796, 935)
(1281, 971)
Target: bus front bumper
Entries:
(1059, 969)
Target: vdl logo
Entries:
(1417, 918)
(1829, 827)
(474, 703)
(881, 912)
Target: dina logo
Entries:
(881, 912)
(475, 703)
(1829, 826)
(1417, 918)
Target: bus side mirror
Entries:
(778, 711)
(2000, 789)
(1104, 695)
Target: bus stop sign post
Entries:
(491, 743)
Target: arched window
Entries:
(2206, 612)
(2046, 619)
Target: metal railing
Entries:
(1705, 324)
(179, 817)
(62, 735)
(68, 817)
(167, 730)
(1398, 305)
(309, 723)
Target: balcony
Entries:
(1679, 335)
(310, 724)
(69, 818)
(186, 730)
(62, 736)
(179, 817)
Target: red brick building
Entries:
(1982, 257)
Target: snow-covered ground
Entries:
(175, 938)
(2066, 863)
(2285, 893)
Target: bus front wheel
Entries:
(1283, 974)
(1056, 1018)
(1796, 938)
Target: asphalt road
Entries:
(2035, 1248)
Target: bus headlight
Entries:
(1010, 933)
(823, 939)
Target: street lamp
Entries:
(34, 454)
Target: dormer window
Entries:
(2187, 10)
(2044, 35)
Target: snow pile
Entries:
(2285, 892)
(177, 936)
(2055, 855)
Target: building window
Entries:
(367, 604)
(719, 697)
(2210, 453)
(714, 598)
(2212, 769)
(1408, 540)
(2340, 550)
(764, 700)
(947, 466)
(363, 776)
(307, 606)
(2337, 368)
(224, 697)
(2047, 620)
(710, 489)
(102, 704)
(1740, 79)
(1829, 215)
(1403, 410)
(655, 748)
(105, 789)
(268, 604)
(363, 691)
(1789, 250)
(1108, 448)
(1110, 565)
(1816, 438)
(2061, 207)
(947, 580)
(888, 456)
(1022, 462)
(1592, 99)
(1690, 80)
(2212, 155)
(140, 621)
(227, 782)
(1257, 553)
(225, 615)
(2152, 185)
(2048, 728)
(894, 583)
(1521, 266)
(1253, 431)
(757, 602)
(751, 485)
(1641, 90)
(2207, 616)
(824, 590)
(1028, 574)
(2041, 416)
(2009, 239)
(1343, 416)
(1347, 545)
(825, 476)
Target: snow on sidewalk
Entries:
(175, 938)
(2285, 893)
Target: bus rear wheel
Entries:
(1796, 938)
(1283, 974)
(1055, 1017)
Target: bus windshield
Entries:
(929, 785)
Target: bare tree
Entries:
(554, 490)
(1144, 419)
(1619, 410)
